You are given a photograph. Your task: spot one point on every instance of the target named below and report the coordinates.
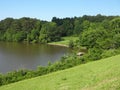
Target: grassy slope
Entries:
(98, 75)
(64, 41)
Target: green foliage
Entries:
(8, 36)
(90, 38)
(34, 30)
(48, 33)
(77, 28)
(44, 38)
(19, 36)
(93, 54)
(85, 25)
(109, 53)
(71, 44)
(65, 26)
(33, 36)
(115, 23)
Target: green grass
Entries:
(64, 41)
(98, 75)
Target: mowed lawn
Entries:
(98, 75)
(65, 41)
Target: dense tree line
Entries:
(37, 31)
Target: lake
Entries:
(15, 56)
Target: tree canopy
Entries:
(92, 30)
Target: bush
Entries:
(71, 44)
(111, 52)
(93, 54)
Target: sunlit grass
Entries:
(65, 41)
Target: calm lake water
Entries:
(14, 56)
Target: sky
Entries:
(46, 9)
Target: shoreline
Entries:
(58, 45)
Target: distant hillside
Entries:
(98, 75)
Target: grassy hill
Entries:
(99, 75)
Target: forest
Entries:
(37, 31)
(99, 34)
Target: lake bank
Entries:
(62, 45)
(64, 42)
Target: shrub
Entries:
(71, 44)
